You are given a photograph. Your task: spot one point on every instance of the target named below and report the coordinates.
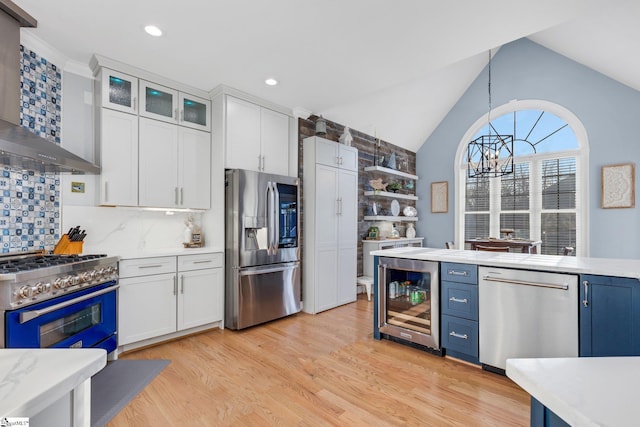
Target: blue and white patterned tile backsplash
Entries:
(31, 200)
(40, 95)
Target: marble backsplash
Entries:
(128, 231)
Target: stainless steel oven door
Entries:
(84, 319)
(408, 300)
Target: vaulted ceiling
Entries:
(385, 67)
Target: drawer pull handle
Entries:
(455, 335)
(458, 273)
(454, 299)
(150, 266)
(204, 261)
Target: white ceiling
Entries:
(390, 67)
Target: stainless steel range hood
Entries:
(20, 148)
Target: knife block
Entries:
(67, 247)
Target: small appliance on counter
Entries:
(192, 235)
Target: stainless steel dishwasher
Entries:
(526, 314)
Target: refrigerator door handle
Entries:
(270, 219)
(276, 218)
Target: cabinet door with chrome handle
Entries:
(201, 297)
(609, 316)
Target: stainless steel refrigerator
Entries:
(262, 248)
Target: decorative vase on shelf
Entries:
(391, 164)
(411, 231)
(346, 137)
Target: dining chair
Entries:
(449, 245)
(492, 248)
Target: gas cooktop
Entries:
(18, 263)
(27, 278)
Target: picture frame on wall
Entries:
(618, 186)
(440, 197)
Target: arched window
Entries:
(545, 197)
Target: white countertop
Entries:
(33, 379)
(583, 391)
(556, 263)
(399, 239)
(168, 252)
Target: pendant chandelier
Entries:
(490, 155)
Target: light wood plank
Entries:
(310, 370)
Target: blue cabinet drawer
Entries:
(460, 335)
(459, 299)
(462, 273)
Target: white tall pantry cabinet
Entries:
(330, 224)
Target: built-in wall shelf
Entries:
(391, 218)
(391, 195)
(390, 172)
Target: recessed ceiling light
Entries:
(271, 81)
(153, 30)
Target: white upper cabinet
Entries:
(172, 106)
(274, 131)
(159, 169)
(158, 102)
(154, 140)
(176, 172)
(118, 157)
(337, 155)
(195, 112)
(242, 135)
(194, 168)
(119, 91)
(257, 138)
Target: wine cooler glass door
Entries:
(409, 300)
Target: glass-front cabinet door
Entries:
(119, 91)
(194, 112)
(158, 102)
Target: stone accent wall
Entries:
(368, 152)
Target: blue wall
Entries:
(609, 111)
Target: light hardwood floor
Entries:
(317, 370)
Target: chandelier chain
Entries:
(489, 89)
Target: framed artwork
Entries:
(618, 186)
(440, 197)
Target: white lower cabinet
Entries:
(200, 291)
(165, 297)
(147, 307)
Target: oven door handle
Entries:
(33, 314)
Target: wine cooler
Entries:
(408, 300)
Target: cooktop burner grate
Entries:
(42, 261)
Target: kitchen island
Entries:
(553, 263)
(565, 389)
(587, 391)
(49, 386)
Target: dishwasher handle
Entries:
(563, 287)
